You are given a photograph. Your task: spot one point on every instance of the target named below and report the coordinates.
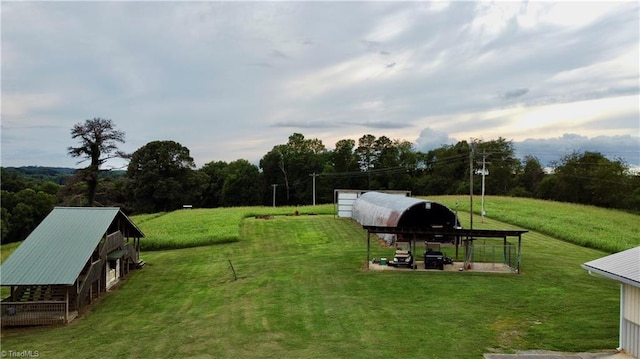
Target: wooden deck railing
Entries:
(33, 313)
(113, 241)
(94, 272)
(131, 252)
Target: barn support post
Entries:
(66, 307)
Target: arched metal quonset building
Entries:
(388, 210)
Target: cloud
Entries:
(279, 54)
(430, 139)
(515, 93)
(302, 124)
(384, 124)
(19, 105)
(212, 74)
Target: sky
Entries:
(230, 80)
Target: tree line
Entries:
(162, 176)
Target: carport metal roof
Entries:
(383, 209)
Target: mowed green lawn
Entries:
(301, 292)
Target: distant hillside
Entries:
(55, 174)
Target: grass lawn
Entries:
(302, 292)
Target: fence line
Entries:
(33, 313)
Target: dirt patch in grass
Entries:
(508, 332)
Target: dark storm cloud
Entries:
(548, 150)
(384, 124)
(515, 93)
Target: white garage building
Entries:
(624, 267)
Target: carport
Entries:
(466, 236)
(398, 218)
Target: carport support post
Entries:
(413, 251)
(504, 251)
(368, 248)
(519, 248)
(467, 252)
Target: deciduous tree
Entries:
(162, 178)
(242, 184)
(98, 143)
(291, 164)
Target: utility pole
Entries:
(274, 193)
(471, 186)
(484, 172)
(314, 175)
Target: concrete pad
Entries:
(455, 267)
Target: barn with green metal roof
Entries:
(73, 255)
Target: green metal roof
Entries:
(57, 250)
(116, 254)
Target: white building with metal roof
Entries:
(624, 267)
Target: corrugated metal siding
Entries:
(388, 210)
(57, 250)
(381, 209)
(630, 321)
(630, 341)
(391, 210)
(632, 304)
(630, 336)
(345, 203)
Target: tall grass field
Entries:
(589, 226)
(262, 282)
